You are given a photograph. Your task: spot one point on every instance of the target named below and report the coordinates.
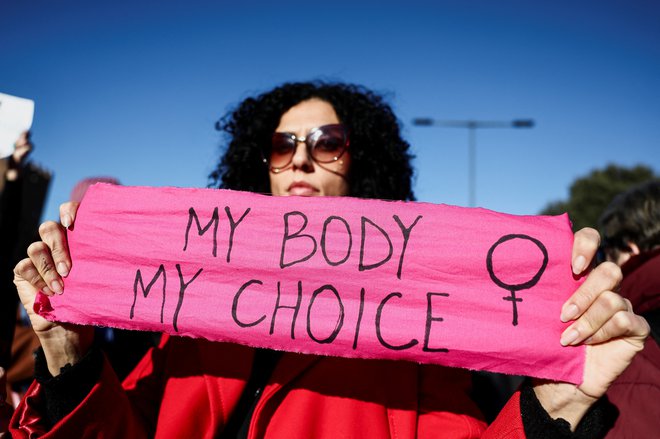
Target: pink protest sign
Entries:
(428, 283)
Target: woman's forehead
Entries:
(306, 115)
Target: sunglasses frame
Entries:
(308, 141)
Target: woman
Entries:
(310, 139)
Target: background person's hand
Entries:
(605, 322)
(45, 268)
(22, 149)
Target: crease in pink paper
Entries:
(428, 283)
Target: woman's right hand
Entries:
(47, 264)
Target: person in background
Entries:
(23, 188)
(630, 228)
(10, 209)
(308, 139)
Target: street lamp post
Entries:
(472, 126)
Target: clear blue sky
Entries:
(132, 89)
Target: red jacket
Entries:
(188, 388)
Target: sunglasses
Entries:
(325, 144)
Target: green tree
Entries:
(590, 195)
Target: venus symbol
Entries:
(515, 285)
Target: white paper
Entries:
(15, 117)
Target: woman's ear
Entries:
(634, 249)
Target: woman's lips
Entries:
(302, 189)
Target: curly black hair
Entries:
(380, 158)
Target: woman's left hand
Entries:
(602, 320)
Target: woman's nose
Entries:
(301, 159)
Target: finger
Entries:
(622, 324)
(595, 318)
(21, 152)
(68, 212)
(605, 277)
(23, 139)
(23, 144)
(25, 271)
(55, 237)
(40, 256)
(585, 246)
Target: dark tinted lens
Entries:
(329, 143)
(281, 150)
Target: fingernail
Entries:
(56, 286)
(569, 313)
(66, 221)
(62, 269)
(569, 337)
(47, 291)
(579, 264)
